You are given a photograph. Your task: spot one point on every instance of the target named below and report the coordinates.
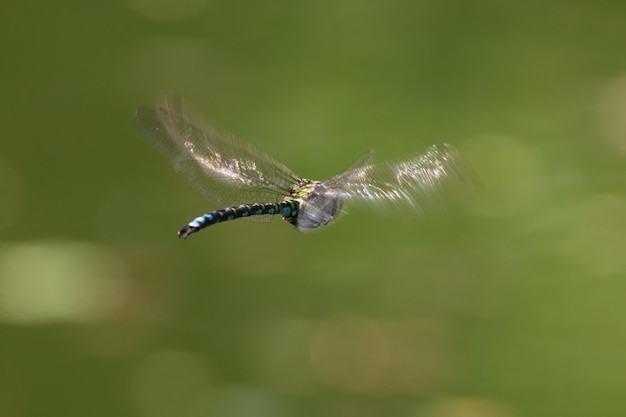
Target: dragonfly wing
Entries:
(366, 159)
(224, 169)
(425, 182)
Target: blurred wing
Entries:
(366, 159)
(224, 169)
(428, 181)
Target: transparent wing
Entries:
(423, 183)
(224, 169)
(366, 159)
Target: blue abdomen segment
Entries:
(287, 209)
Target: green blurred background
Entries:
(511, 306)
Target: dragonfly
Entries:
(245, 182)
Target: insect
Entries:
(244, 182)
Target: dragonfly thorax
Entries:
(317, 205)
(301, 189)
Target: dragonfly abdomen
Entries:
(287, 209)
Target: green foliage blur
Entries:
(511, 305)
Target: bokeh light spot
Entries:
(237, 401)
(612, 113)
(59, 281)
(597, 240)
(279, 356)
(168, 383)
(465, 407)
(373, 357)
(509, 172)
(351, 354)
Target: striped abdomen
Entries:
(287, 209)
